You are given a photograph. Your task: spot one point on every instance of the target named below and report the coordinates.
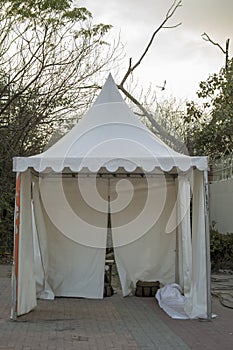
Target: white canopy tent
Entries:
(110, 161)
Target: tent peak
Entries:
(109, 93)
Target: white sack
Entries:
(172, 301)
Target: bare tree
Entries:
(51, 54)
(157, 128)
(49, 64)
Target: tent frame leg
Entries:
(15, 268)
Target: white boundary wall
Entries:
(221, 205)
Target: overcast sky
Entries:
(178, 55)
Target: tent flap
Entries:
(197, 302)
(72, 238)
(143, 249)
(26, 280)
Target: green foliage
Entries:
(221, 250)
(210, 123)
(37, 9)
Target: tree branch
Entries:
(206, 37)
(169, 14)
(158, 129)
(174, 26)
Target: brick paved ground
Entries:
(114, 323)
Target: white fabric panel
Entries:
(179, 258)
(75, 269)
(39, 272)
(26, 278)
(197, 302)
(179, 243)
(77, 207)
(148, 253)
(183, 196)
(41, 258)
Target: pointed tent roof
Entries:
(109, 135)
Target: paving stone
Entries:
(114, 323)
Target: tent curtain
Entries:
(41, 258)
(184, 231)
(72, 242)
(143, 250)
(26, 281)
(197, 302)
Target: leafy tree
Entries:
(50, 56)
(210, 123)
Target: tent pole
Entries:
(207, 241)
(177, 259)
(15, 268)
(177, 278)
(109, 224)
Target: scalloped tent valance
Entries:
(111, 136)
